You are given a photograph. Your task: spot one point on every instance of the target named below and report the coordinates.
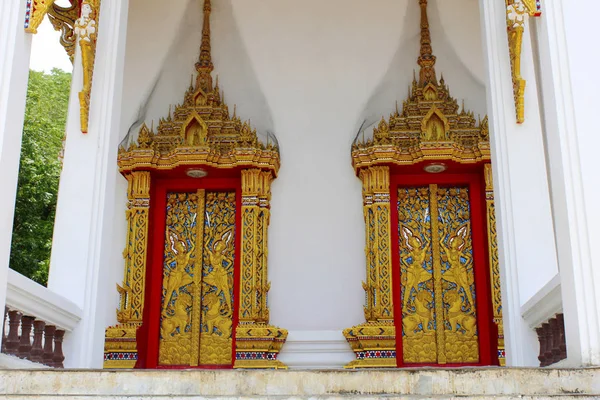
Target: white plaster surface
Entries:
(465, 383)
(316, 350)
(15, 47)
(12, 362)
(569, 99)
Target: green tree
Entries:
(40, 166)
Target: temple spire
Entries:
(204, 66)
(426, 58)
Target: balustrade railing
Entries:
(32, 339)
(35, 322)
(553, 345)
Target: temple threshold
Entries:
(503, 383)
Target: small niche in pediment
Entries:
(200, 98)
(195, 131)
(430, 92)
(435, 126)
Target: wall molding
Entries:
(316, 350)
(33, 299)
(544, 305)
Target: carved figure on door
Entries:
(459, 260)
(215, 317)
(422, 316)
(219, 276)
(458, 318)
(415, 273)
(179, 319)
(177, 277)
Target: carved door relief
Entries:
(439, 311)
(197, 309)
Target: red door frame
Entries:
(474, 179)
(155, 256)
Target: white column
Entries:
(569, 67)
(525, 230)
(82, 253)
(15, 48)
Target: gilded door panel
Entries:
(439, 321)
(416, 271)
(217, 279)
(179, 269)
(198, 272)
(460, 318)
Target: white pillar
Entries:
(15, 48)
(86, 211)
(525, 230)
(569, 67)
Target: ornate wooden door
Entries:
(194, 270)
(442, 260)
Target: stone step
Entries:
(467, 383)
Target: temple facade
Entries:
(312, 185)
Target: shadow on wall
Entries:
(236, 77)
(454, 34)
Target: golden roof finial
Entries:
(426, 58)
(204, 66)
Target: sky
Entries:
(46, 51)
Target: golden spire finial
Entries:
(204, 66)
(426, 58)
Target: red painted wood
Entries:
(457, 175)
(396, 292)
(174, 182)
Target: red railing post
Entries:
(37, 351)
(25, 342)
(48, 348)
(12, 341)
(57, 360)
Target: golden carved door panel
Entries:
(439, 316)
(197, 310)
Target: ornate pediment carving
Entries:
(200, 131)
(431, 125)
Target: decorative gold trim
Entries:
(516, 14)
(86, 27)
(254, 336)
(378, 333)
(494, 261)
(131, 293)
(197, 282)
(430, 126)
(37, 10)
(440, 329)
(63, 19)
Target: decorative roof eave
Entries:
(144, 159)
(440, 151)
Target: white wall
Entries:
(15, 48)
(569, 93)
(310, 71)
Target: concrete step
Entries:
(467, 383)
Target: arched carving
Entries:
(435, 126)
(194, 131)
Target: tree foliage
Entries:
(40, 166)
